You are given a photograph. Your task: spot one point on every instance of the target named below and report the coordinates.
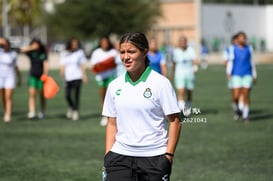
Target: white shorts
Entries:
(7, 82)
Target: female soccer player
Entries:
(38, 66)
(157, 60)
(8, 71)
(184, 61)
(74, 72)
(242, 73)
(227, 56)
(139, 146)
(105, 52)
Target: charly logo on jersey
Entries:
(118, 92)
(147, 93)
(165, 177)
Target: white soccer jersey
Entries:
(184, 62)
(100, 55)
(8, 62)
(72, 62)
(140, 108)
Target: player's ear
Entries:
(145, 52)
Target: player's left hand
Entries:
(254, 81)
(169, 158)
(85, 79)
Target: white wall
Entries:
(254, 20)
(269, 27)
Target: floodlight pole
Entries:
(5, 26)
(198, 26)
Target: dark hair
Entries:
(234, 37)
(110, 45)
(241, 33)
(69, 43)
(42, 48)
(139, 40)
(183, 38)
(8, 43)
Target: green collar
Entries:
(142, 78)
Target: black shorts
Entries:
(127, 168)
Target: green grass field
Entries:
(57, 149)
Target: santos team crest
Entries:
(147, 93)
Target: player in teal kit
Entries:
(185, 59)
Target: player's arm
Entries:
(229, 68)
(195, 64)
(253, 67)
(229, 58)
(225, 56)
(111, 131)
(17, 71)
(175, 127)
(173, 71)
(84, 76)
(32, 47)
(254, 73)
(163, 68)
(62, 70)
(195, 61)
(45, 65)
(19, 76)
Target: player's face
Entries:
(153, 45)
(132, 58)
(74, 44)
(183, 43)
(241, 39)
(3, 43)
(104, 44)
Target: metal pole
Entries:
(5, 26)
(198, 24)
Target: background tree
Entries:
(87, 19)
(24, 12)
(260, 2)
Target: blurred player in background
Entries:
(104, 53)
(157, 59)
(37, 54)
(120, 68)
(73, 70)
(228, 62)
(185, 59)
(204, 55)
(8, 72)
(242, 73)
